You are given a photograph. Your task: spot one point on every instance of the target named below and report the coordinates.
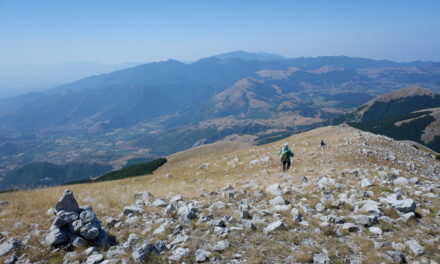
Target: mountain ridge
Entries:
(160, 108)
(410, 113)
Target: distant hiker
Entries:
(285, 155)
(322, 144)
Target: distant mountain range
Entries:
(411, 113)
(160, 108)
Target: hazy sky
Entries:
(110, 32)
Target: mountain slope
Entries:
(410, 113)
(159, 108)
(126, 97)
(362, 198)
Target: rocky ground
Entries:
(361, 198)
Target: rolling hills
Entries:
(160, 108)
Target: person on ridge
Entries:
(285, 155)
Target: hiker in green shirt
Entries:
(285, 155)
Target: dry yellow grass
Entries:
(207, 168)
(204, 169)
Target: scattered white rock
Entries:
(9, 246)
(221, 246)
(274, 189)
(277, 225)
(202, 255)
(179, 253)
(401, 181)
(415, 247)
(365, 183)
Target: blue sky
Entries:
(111, 32)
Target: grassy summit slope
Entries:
(218, 174)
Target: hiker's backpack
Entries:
(285, 155)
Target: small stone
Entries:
(132, 209)
(401, 181)
(219, 223)
(246, 215)
(375, 230)
(91, 250)
(179, 253)
(202, 255)
(95, 258)
(287, 190)
(10, 245)
(409, 216)
(319, 207)
(176, 198)
(249, 225)
(76, 226)
(281, 208)
(218, 205)
(78, 241)
(64, 218)
(339, 220)
(87, 215)
(365, 183)
(321, 258)
(325, 182)
(404, 206)
(414, 180)
(277, 225)
(221, 246)
(159, 203)
(161, 246)
(297, 217)
(169, 210)
(415, 247)
(50, 211)
(90, 230)
(396, 256)
(365, 220)
(276, 200)
(161, 229)
(370, 206)
(145, 196)
(274, 189)
(56, 237)
(67, 203)
(141, 253)
(111, 261)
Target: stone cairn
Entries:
(76, 226)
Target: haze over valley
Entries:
(160, 108)
(220, 132)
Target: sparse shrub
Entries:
(155, 259)
(391, 212)
(304, 257)
(335, 260)
(328, 231)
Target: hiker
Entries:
(285, 155)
